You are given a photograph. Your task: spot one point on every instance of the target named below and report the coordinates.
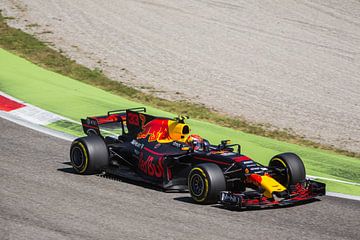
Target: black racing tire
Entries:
(293, 166)
(89, 155)
(205, 182)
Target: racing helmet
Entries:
(196, 142)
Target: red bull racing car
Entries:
(161, 151)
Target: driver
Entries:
(197, 142)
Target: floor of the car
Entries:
(127, 174)
(124, 172)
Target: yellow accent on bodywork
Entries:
(185, 148)
(178, 131)
(270, 185)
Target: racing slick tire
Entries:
(293, 166)
(205, 182)
(89, 155)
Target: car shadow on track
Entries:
(237, 209)
(129, 179)
(70, 170)
(184, 199)
(67, 169)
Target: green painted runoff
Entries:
(73, 99)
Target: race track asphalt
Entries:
(41, 198)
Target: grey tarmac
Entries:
(42, 198)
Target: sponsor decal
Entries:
(254, 168)
(248, 162)
(152, 166)
(133, 119)
(176, 144)
(229, 198)
(156, 129)
(90, 121)
(137, 144)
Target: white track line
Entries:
(36, 127)
(334, 180)
(341, 195)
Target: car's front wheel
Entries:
(205, 182)
(290, 168)
(89, 155)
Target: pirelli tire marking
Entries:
(197, 174)
(84, 157)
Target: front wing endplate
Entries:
(300, 193)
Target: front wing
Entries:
(300, 193)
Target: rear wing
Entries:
(92, 125)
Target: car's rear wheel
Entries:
(205, 182)
(89, 155)
(289, 167)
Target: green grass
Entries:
(74, 99)
(29, 47)
(68, 127)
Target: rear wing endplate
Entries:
(91, 125)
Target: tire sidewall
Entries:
(77, 147)
(213, 182)
(295, 169)
(95, 154)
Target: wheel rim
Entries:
(197, 185)
(77, 157)
(284, 177)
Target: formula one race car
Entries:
(161, 151)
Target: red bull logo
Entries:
(133, 119)
(156, 129)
